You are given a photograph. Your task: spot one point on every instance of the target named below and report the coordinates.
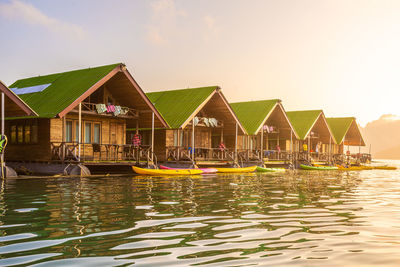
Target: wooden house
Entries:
(269, 132)
(346, 132)
(315, 138)
(202, 126)
(81, 116)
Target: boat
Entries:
(391, 168)
(205, 170)
(166, 172)
(262, 169)
(237, 170)
(353, 168)
(318, 168)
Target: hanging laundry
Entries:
(110, 108)
(136, 140)
(206, 122)
(117, 110)
(124, 110)
(101, 108)
(196, 121)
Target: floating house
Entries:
(270, 134)
(202, 126)
(346, 132)
(80, 116)
(315, 138)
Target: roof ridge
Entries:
(192, 88)
(68, 71)
(264, 100)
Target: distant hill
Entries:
(384, 137)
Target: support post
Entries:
(64, 138)
(2, 132)
(80, 131)
(262, 145)
(291, 146)
(152, 137)
(330, 150)
(236, 135)
(2, 113)
(193, 139)
(308, 148)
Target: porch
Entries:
(101, 153)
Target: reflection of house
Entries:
(82, 116)
(270, 133)
(315, 137)
(213, 119)
(346, 133)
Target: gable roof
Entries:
(176, 106)
(63, 90)
(303, 121)
(252, 114)
(57, 94)
(340, 127)
(16, 101)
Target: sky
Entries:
(339, 56)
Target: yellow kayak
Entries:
(166, 172)
(384, 168)
(237, 170)
(354, 168)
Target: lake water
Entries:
(294, 219)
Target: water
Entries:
(299, 219)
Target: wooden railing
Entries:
(68, 152)
(175, 153)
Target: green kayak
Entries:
(319, 168)
(261, 169)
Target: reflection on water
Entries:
(297, 218)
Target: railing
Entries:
(68, 152)
(175, 153)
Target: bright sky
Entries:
(339, 56)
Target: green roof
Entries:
(302, 121)
(64, 89)
(253, 113)
(339, 127)
(176, 106)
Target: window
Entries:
(20, 134)
(88, 132)
(176, 137)
(27, 134)
(96, 133)
(68, 131)
(76, 131)
(24, 132)
(13, 134)
(34, 133)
